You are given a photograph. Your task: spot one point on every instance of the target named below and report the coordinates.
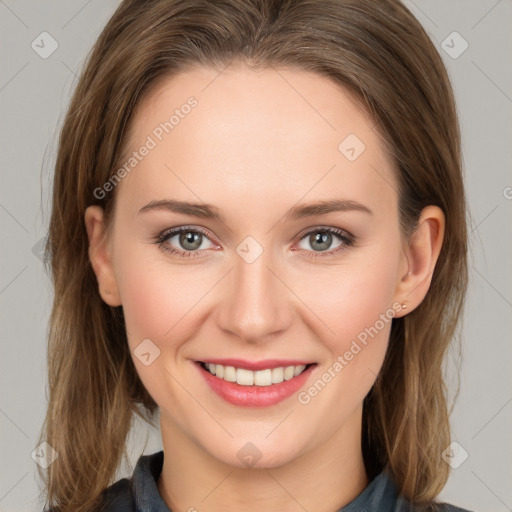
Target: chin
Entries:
(245, 454)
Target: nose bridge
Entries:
(255, 304)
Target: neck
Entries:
(323, 479)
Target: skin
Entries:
(258, 143)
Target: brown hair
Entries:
(377, 50)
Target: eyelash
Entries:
(347, 239)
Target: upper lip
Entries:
(257, 365)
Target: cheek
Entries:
(354, 305)
(155, 295)
(147, 312)
(347, 300)
(358, 310)
(158, 305)
(140, 288)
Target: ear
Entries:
(99, 255)
(419, 259)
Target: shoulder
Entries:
(405, 506)
(445, 507)
(117, 497)
(139, 491)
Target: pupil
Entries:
(324, 239)
(190, 238)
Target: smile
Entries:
(244, 377)
(255, 384)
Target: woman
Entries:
(293, 352)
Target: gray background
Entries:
(34, 93)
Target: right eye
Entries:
(189, 240)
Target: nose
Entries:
(256, 304)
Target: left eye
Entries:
(321, 239)
(188, 239)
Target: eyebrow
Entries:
(208, 211)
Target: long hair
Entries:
(374, 48)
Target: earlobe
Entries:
(99, 256)
(421, 255)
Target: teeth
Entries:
(230, 373)
(263, 378)
(288, 373)
(277, 375)
(244, 377)
(298, 370)
(259, 378)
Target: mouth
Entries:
(257, 384)
(247, 377)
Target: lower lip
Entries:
(255, 396)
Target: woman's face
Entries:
(263, 280)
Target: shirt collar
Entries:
(145, 477)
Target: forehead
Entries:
(272, 134)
